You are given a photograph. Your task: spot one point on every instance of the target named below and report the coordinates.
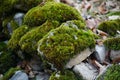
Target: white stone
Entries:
(78, 58)
(87, 71)
(114, 17)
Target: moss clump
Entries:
(9, 73)
(13, 43)
(6, 6)
(113, 43)
(28, 42)
(110, 27)
(112, 73)
(62, 43)
(6, 61)
(68, 75)
(51, 11)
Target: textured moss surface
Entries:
(28, 42)
(68, 75)
(10, 73)
(51, 11)
(6, 61)
(112, 73)
(110, 27)
(62, 43)
(13, 43)
(113, 43)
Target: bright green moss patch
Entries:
(112, 73)
(51, 11)
(29, 41)
(62, 43)
(110, 27)
(114, 13)
(13, 43)
(113, 43)
(68, 75)
(6, 61)
(10, 73)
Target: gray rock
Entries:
(87, 71)
(42, 76)
(101, 53)
(78, 58)
(115, 54)
(19, 75)
(18, 18)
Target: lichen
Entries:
(51, 11)
(112, 43)
(68, 75)
(110, 27)
(62, 43)
(28, 42)
(13, 43)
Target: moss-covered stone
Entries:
(51, 11)
(28, 42)
(113, 43)
(62, 43)
(110, 27)
(68, 75)
(112, 73)
(9, 73)
(13, 43)
(6, 61)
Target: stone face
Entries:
(42, 76)
(86, 70)
(78, 58)
(19, 75)
(114, 54)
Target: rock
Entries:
(78, 58)
(113, 17)
(42, 76)
(101, 53)
(1, 76)
(87, 71)
(18, 18)
(114, 54)
(19, 75)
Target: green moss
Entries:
(68, 75)
(13, 43)
(62, 43)
(114, 13)
(29, 41)
(112, 73)
(110, 27)
(10, 73)
(51, 11)
(6, 6)
(6, 61)
(113, 43)
(3, 46)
